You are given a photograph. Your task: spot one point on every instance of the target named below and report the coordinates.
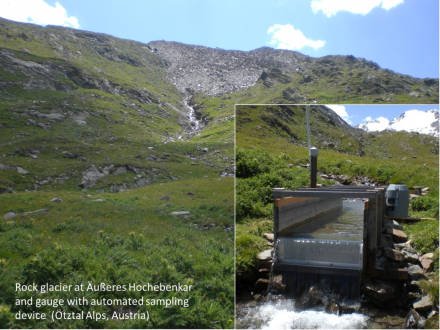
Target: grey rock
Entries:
(399, 235)
(56, 200)
(410, 249)
(265, 255)
(6, 167)
(397, 225)
(180, 213)
(413, 320)
(425, 190)
(424, 304)
(142, 182)
(67, 154)
(91, 176)
(427, 263)
(394, 254)
(269, 236)
(410, 257)
(21, 170)
(380, 292)
(428, 255)
(120, 170)
(9, 215)
(415, 272)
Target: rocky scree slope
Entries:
(214, 71)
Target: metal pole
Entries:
(313, 151)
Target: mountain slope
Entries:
(287, 124)
(89, 139)
(295, 77)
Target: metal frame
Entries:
(373, 214)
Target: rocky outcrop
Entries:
(92, 175)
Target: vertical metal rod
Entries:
(309, 141)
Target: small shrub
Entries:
(52, 265)
(425, 203)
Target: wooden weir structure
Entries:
(304, 260)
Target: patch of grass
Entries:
(424, 235)
(431, 286)
(249, 242)
(122, 238)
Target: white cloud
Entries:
(341, 111)
(362, 7)
(420, 121)
(37, 12)
(375, 124)
(416, 121)
(288, 37)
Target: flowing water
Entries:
(332, 240)
(344, 226)
(194, 123)
(336, 238)
(272, 265)
(280, 313)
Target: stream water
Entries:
(331, 240)
(337, 236)
(344, 226)
(194, 124)
(281, 313)
(191, 125)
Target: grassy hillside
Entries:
(92, 121)
(272, 152)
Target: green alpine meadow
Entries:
(117, 166)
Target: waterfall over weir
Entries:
(281, 313)
(331, 239)
(320, 242)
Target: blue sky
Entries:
(401, 35)
(357, 114)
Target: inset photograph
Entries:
(337, 216)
